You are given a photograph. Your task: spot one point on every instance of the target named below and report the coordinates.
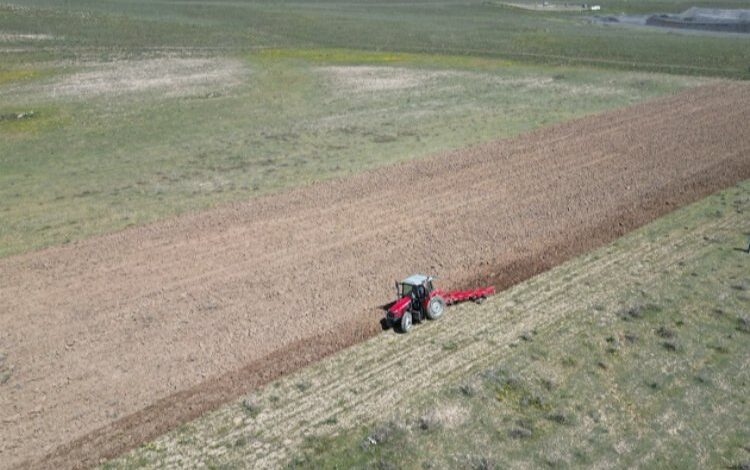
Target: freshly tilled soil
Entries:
(117, 339)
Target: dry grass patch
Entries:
(445, 416)
(363, 79)
(367, 78)
(173, 76)
(12, 37)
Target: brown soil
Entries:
(117, 339)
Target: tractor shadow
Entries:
(384, 325)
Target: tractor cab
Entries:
(417, 286)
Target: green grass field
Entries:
(478, 28)
(135, 111)
(634, 355)
(93, 161)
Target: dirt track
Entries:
(118, 338)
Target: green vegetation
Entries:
(94, 158)
(478, 28)
(140, 110)
(5, 370)
(659, 378)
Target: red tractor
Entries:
(418, 299)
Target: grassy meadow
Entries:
(93, 160)
(125, 112)
(476, 28)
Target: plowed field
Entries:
(118, 338)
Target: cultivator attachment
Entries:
(477, 295)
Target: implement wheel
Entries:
(436, 308)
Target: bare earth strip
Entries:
(115, 340)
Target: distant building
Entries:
(707, 19)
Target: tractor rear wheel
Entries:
(436, 308)
(406, 322)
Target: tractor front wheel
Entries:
(436, 308)
(406, 322)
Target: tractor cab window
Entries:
(405, 290)
(428, 284)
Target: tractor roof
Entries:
(415, 280)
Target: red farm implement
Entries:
(418, 299)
